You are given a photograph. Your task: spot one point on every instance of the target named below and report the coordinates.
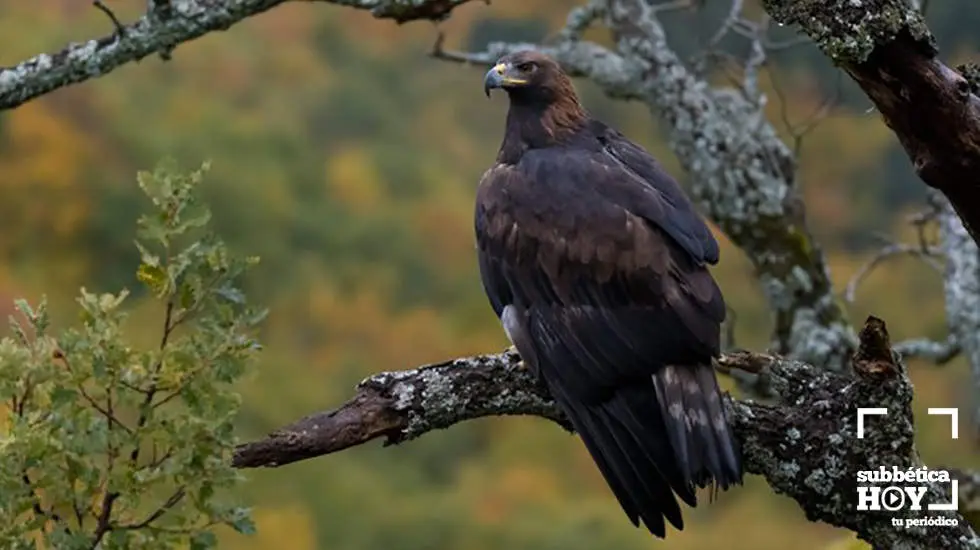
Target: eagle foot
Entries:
(520, 364)
(539, 380)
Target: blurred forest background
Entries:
(347, 159)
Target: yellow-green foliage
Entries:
(109, 444)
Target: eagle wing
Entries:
(598, 276)
(682, 223)
(579, 242)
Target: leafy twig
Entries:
(167, 505)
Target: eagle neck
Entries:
(536, 125)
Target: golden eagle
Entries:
(595, 262)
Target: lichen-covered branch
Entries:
(804, 445)
(885, 47)
(163, 27)
(400, 406)
(740, 172)
(938, 352)
(961, 285)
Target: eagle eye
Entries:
(526, 67)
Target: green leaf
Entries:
(241, 521)
(153, 228)
(231, 294)
(146, 256)
(198, 220)
(62, 395)
(155, 278)
(18, 330)
(204, 540)
(24, 308)
(89, 404)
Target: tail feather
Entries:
(633, 477)
(656, 499)
(728, 455)
(690, 400)
(612, 471)
(652, 441)
(637, 409)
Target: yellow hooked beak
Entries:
(501, 76)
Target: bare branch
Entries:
(896, 46)
(673, 5)
(750, 372)
(760, 45)
(743, 176)
(401, 405)
(888, 252)
(120, 31)
(733, 19)
(160, 30)
(800, 130)
(939, 352)
(737, 364)
(757, 58)
(470, 58)
(805, 446)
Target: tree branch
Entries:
(805, 445)
(961, 286)
(938, 352)
(885, 47)
(164, 26)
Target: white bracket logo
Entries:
(865, 411)
(952, 413)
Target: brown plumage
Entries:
(596, 264)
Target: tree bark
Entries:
(805, 445)
(885, 46)
(165, 25)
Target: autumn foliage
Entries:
(347, 159)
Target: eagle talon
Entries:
(520, 363)
(538, 379)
